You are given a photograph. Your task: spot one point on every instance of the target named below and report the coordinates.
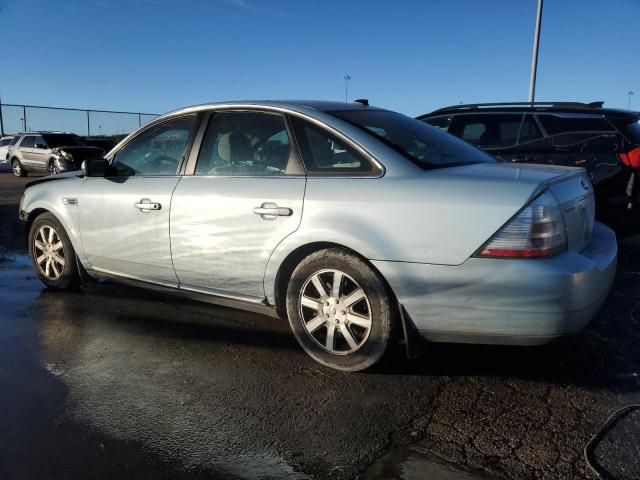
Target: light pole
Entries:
(534, 59)
(630, 93)
(346, 87)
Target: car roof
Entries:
(320, 105)
(595, 108)
(43, 132)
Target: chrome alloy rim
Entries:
(48, 252)
(54, 169)
(16, 167)
(335, 311)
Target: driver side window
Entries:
(157, 151)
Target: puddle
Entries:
(409, 463)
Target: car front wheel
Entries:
(51, 253)
(339, 310)
(16, 166)
(54, 167)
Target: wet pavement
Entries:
(110, 381)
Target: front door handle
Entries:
(145, 205)
(269, 211)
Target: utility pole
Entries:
(534, 59)
(346, 88)
(630, 93)
(1, 120)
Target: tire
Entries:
(313, 314)
(52, 247)
(53, 168)
(16, 166)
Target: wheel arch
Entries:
(38, 208)
(293, 258)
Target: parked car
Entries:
(4, 148)
(604, 141)
(358, 224)
(51, 152)
(105, 144)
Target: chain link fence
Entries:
(89, 123)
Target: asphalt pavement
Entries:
(113, 382)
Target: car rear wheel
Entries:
(52, 254)
(339, 310)
(16, 166)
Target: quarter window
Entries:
(245, 144)
(325, 154)
(442, 122)
(555, 124)
(27, 142)
(157, 151)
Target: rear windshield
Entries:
(424, 145)
(55, 140)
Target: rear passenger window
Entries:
(529, 130)
(487, 130)
(473, 132)
(325, 154)
(555, 124)
(244, 144)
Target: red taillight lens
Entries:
(631, 158)
(537, 231)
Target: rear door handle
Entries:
(269, 211)
(145, 205)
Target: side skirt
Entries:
(200, 295)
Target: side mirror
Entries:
(95, 167)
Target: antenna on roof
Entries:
(362, 101)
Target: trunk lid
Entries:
(575, 197)
(570, 186)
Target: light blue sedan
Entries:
(358, 224)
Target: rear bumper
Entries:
(507, 301)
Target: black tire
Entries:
(17, 168)
(68, 275)
(355, 273)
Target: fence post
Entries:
(139, 120)
(89, 123)
(24, 117)
(1, 121)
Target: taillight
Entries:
(537, 231)
(631, 158)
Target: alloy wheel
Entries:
(49, 252)
(335, 311)
(17, 168)
(54, 168)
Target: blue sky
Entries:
(410, 56)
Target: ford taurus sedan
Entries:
(358, 224)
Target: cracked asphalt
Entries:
(115, 382)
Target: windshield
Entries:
(426, 146)
(55, 140)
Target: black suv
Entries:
(606, 142)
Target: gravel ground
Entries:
(114, 382)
